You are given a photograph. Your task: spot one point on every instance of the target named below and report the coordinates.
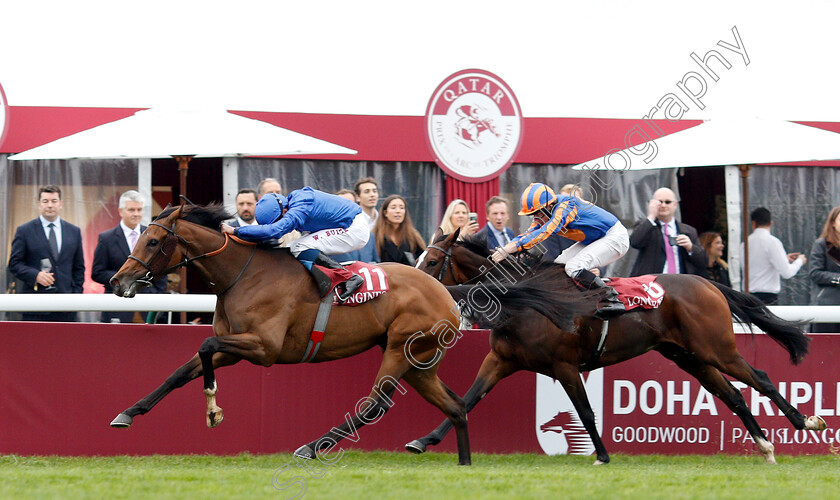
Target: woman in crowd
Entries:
(396, 238)
(457, 215)
(717, 268)
(824, 272)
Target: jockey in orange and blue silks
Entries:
(330, 225)
(601, 238)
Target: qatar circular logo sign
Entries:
(473, 125)
(4, 116)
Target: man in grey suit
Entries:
(47, 255)
(113, 248)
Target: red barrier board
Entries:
(62, 383)
(649, 405)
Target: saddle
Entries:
(639, 291)
(376, 282)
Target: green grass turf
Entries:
(374, 475)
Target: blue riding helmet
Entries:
(270, 208)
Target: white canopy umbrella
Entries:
(741, 142)
(182, 134)
(161, 133)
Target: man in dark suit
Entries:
(47, 255)
(114, 247)
(496, 233)
(246, 202)
(665, 245)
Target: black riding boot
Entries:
(608, 307)
(351, 283)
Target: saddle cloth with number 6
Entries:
(640, 291)
(376, 282)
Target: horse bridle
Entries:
(168, 245)
(446, 264)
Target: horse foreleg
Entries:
(493, 369)
(187, 372)
(239, 346)
(569, 376)
(432, 389)
(367, 411)
(714, 381)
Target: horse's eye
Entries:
(432, 263)
(153, 242)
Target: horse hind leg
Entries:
(493, 369)
(758, 379)
(714, 381)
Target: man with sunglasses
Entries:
(665, 245)
(600, 238)
(330, 225)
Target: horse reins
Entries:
(447, 263)
(150, 273)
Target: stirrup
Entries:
(609, 308)
(350, 286)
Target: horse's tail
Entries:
(749, 310)
(551, 294)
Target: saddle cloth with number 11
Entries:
(376, 282)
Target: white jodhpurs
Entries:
(599, 253)
(335, 241)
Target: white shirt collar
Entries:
(45, 222)
(127, 231)
(243, 223)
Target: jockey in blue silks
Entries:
(601, 238)
(330, 225)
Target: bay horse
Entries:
(265, 311)
(546, 326)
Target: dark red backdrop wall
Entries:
(62, 384)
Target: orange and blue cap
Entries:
(536, 196)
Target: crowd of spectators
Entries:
(46, 253)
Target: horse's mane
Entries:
(210, 216)
(473, 243)
(549, 292)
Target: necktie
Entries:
(669, 251)
(505, 237)
(53, 241)
(132, 240)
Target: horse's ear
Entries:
(437, 234)
(455, 235)
(167, 207)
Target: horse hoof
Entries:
(416, 447)
(815, 423)
(305, 452)
(214, 418)
(598, 462)
(122, 421)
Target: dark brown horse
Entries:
(265, 312)
(545, 326)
